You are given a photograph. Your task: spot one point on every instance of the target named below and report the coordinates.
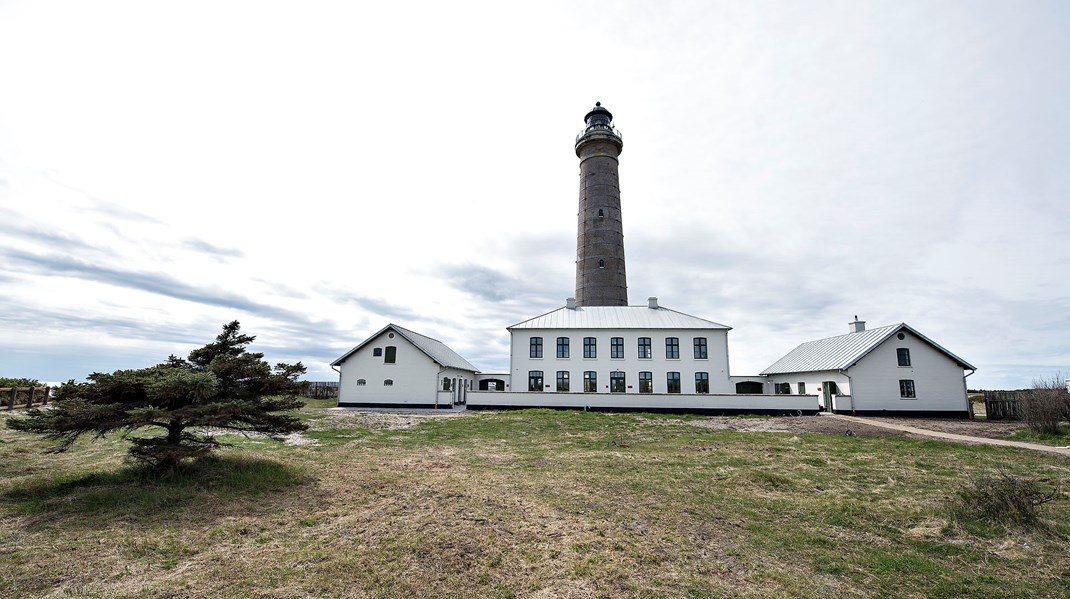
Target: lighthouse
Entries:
(600, 272)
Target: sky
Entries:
(317, 170)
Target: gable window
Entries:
(535, 345)
(534, 380)
(802, 388)
(377, 352)
(361, 382)
(391, 356)
(644, 348)
(590, 382)
(700, 348)
(388, 383)
(562, 380)
(903, 354)
(616, 347)
(672, 380)
(616, 382)
(590, 347)
(672, 348)
(702, 382)
(646, 382)
(782, 389)
(562, 347)
(906, 389)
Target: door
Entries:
(828, 390)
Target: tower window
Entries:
(600, 213)
(601, 264)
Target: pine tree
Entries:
(220, 387)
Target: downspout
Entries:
(966, 392)
(851, 385)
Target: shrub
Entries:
(1002, 498)
(1045, 405)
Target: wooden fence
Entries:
(1003, 405)
(322, 389)
(24, 396)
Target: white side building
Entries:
(892, 370)
(397, 367)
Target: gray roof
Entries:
(844, 351)
(617, 317)
(433, 348)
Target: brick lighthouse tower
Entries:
(600, 276)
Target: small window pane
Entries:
(646, 382)
(388, 383)
(590, 382)
(377, 352)
(562, 380)
(702, 382)
(673, 382)
(700, 348)
(534, 380)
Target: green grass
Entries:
(524, 503)
(1061, 438)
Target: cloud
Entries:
(150, 282)
(215, 251)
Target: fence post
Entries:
(48, 391)
(29, 396)
(14, 395)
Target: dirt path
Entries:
(1063, 451)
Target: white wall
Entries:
(938, 382)
(716, 363)
(815, 385)
(705, 402)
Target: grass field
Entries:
(524, 504)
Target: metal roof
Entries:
(617, 317)
(433, 348)
(844, 351)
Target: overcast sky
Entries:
(317, 170)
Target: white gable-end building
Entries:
(397, 367)
(892, 370)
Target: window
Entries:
(601, 264)
(616, 347)
(646, 382)
(590, 382)
(391, 356)
(906, 389)
(831, 387)
(388, 383)
(562, 347)
(782, 388)
(445, 383)
(377, 352)
(361, 382)
(616, 382)
(700, 348)
(590, 347)
(536, 347)
(904, 356)
(672, 380)
(562, 380)
(702, 382)
(601, 214)
(644, 347)
(534, 380)
(672, 348)
(802, 388)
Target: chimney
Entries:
(570, 303)
(857, 326)
(652, 302)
